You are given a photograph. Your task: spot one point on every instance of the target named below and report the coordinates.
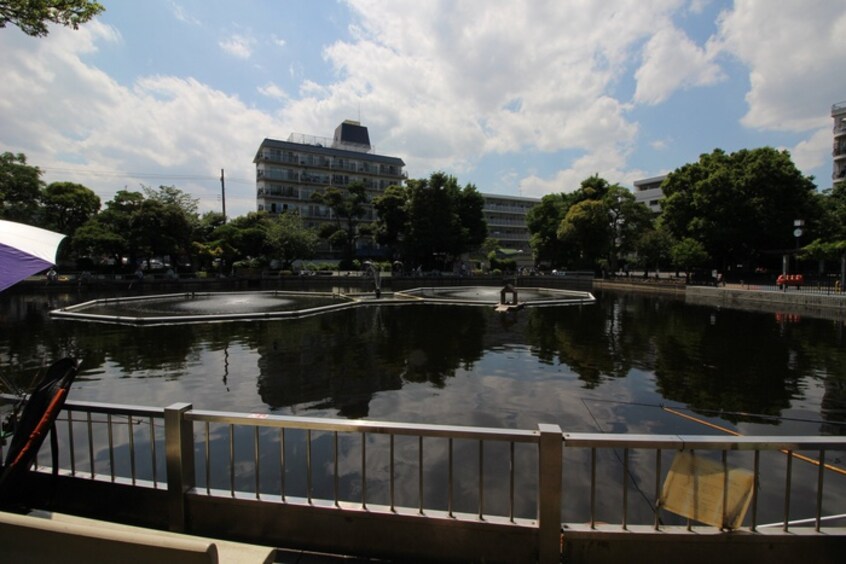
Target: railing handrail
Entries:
(359, 426)
(702, 442)
(186, 437)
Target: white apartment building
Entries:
(648, 191)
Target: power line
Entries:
(141, 175)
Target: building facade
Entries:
(506, 219)
(838, 113)
(288, 173)
(648, 191)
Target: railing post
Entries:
(550, 451)
(179, 452)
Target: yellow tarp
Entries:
(694, 489)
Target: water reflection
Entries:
(463, 365)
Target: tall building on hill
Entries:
(838, 112)
(289, 172)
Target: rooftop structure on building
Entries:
(838, 113)
(288, 173)
(648, 191)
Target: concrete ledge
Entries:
(54, 537)
(644, 544)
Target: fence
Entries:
(385, 488)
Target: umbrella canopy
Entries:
(25, 250)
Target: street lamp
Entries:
(798, 224)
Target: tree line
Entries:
(426, 223)
(730, 212)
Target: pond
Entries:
(614, 366)
(606, 367)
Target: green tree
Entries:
(242, 237)
(20, 188)
(471, 217)
(430, 222)
(688, 254)
(628, 219)
(739, 205)
(586, 230)
(653, 249)
(392, 218)
(349, 206)
(159, 230)
(436, 209)
(543, 221)
(831, 246)
(289, 239)
(32, 16)
(173, 196)
(66, 206)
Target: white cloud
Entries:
(795, 56)
(238, 45)
(278, 41)
(437, 80)
(442, 84)
(274, 91)
(814, 151)
(162, 129)
(672, 61)
(180, 14)
(609, 164)
(698, 6)
(660, 144)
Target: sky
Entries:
(521, 98)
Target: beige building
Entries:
(289, 172)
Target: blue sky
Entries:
(519, 98)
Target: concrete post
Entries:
(179, 453)
(550, 465)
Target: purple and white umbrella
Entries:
(25, 250)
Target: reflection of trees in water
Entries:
(727, 360)
(593, 341)
(340, 360)
(710, 359)
(706, 358)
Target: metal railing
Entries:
(538, 479)
(640, 462)
(350, 454)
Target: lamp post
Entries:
(798, 224)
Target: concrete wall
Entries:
(826, 306)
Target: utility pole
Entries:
(223, 195)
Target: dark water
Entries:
(604, 367)
(607, 367)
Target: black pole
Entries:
(223, 195)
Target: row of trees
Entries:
(725, 212)
(426, 223)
